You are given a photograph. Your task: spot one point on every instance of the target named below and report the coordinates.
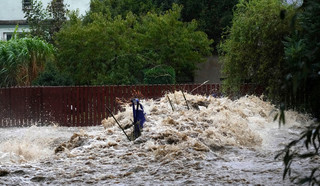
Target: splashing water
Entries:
(20, 145)
(217, 141)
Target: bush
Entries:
(116, 50)
(51, 76)
(253, 50)
(21, 60)
(160, 75)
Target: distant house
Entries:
(11, 14)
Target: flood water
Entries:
(216, 142)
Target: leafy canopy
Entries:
(213, 16)
(44, 23)
(253, 50)
(124, 47)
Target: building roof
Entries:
(13, 22)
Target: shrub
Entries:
(51, 76)
(253, 50)
(160, 75)
(116, 50)
(21, 60)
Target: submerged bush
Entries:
(160, 75)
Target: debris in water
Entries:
(76, 140)
(4, 172)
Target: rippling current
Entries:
(217, 141)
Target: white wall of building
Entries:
(7, 30)
(11, 10)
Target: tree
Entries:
(213, 16)
(44, 23)
(51, 76)
(114, 8)
(302, 84)
(167, 40)
(111, 42)
(253, 50)
(124, 47)
(21, 60)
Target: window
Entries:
(7, 36)
(26, 4)
(10, 35)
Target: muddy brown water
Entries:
(217, 142)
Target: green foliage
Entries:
(160, 75)
(45, 22)
(101, 52)
(302, 54)
(253, 50)
(302, 85)
(168, 41)
(123, 47)
(212, 15)
(22, 59)
(113, 8)
(51, 76)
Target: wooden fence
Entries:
(79, 105)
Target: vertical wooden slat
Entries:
(158, 92)
(162, 90)
(39, 104)
(107, 100)
(71, 98)
(45, 98)
(76, 105)
(34, 105)
(70, 110)
(117, 95)
(128, 95)
(1, 106)
(149, 92)
(18, 104)
(95, 105)
(53, 101)
(63, 115)
(111, 98)
(89, 106)
(8, 116)
(27, 108)
(99, 104)
(55, 108)
(146, 91)
(81, 106)
(103, 102)
(14, 110)
(85, 106)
